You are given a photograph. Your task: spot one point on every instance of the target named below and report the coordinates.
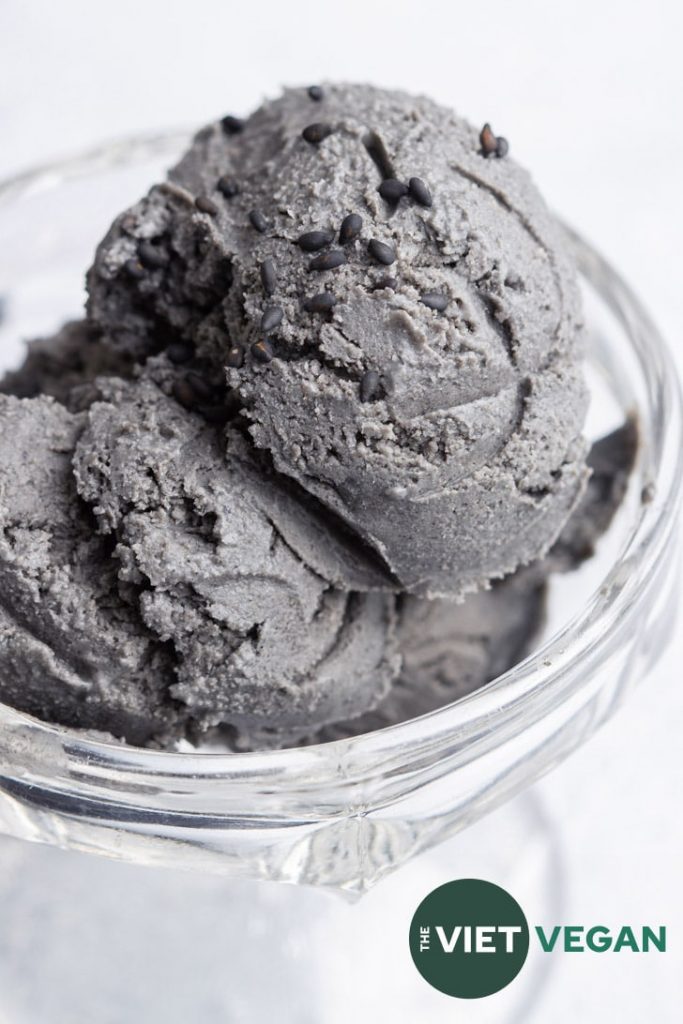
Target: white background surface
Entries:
(589, 95)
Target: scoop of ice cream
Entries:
(450, 649)
(226, 574)
(396, 310)
(72, 649)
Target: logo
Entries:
(469, 938)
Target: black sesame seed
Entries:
(492, 144)
(268, 277)
(234, 357)
(311, 241)
(369, 385)
(328, 260)
(321, 303)
(434, 300)
(258, 221)
(227, 186)
(351, 228)
(381, 252)
(183, 392)
(262, 351)
(419, 192)
(487, 140)
(179, 352)
(192, 389)
(151, 256)
(272, 318)
(206, 205)
(203, 390)
(315, 93)
(134, 269)
(392, 190)
(232, 125)
(315, 133)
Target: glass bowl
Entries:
(341, 815)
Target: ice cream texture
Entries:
(420, 375)
(298, 472)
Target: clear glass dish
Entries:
(341, 815)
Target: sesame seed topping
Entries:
(198, 395)
(369, 385)
(419, 192)
(328, 260)
(235, 357)
(381, 252)
(434, 300)
(232, 125)
(151, 256)
(206, 205)
(311, 241)
(179, 352)
(350, 229)
(315, 93)
(134, 269)
(227, 186)
(268, 277)
(203, 390)
(262, 351)
(487, 140)
(315, 133)
(323, 302)
(183, 392)
(392, 190)
(491, 144)
(272, 318)
(258, 221)
(193, 390)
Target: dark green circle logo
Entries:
(469, 938)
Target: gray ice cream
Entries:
(450, 649)
(415, 368)
(72, 648)
(179, 598)
(260, 640)
(330, 380)
(64, 366)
